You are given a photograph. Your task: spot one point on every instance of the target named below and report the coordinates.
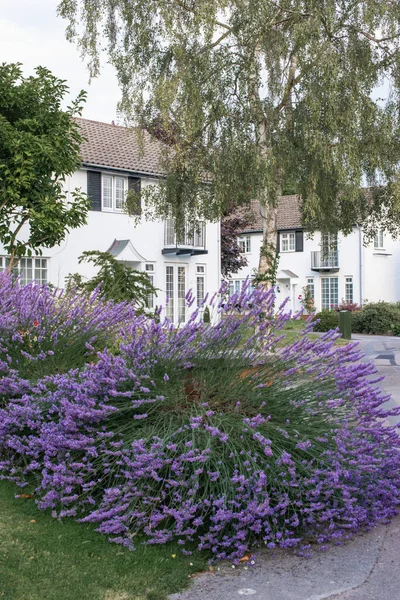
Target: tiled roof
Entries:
(117, 147)
(288, 214)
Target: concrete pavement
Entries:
(365, 568)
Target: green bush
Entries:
(328, 319)
(357, 321)
(379, 318)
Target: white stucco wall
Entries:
(375, 273)
(147, 238)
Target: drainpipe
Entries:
(361, 266)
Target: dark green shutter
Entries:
(278, 243)
(94, 189)
(134, 205)
(299, 241)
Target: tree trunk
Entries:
(268, 254)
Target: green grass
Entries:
(43, 559)
(295, 325)
(291, 336)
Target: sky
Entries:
(31, 33)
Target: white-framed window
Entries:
(195, 238)
(150, 270)
(113, 192)
(200, 284)
(329, 292)
(235, 286)
(175, 286)
(379, 239)
(244, 243)
(30, 270)
(311, 286)
(288, 242)
(349, 289)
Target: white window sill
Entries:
(117, 211)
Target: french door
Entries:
(175, 286)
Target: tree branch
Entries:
(369, 36)
(12, 253)
(292, 81)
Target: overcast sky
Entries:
(32, 34)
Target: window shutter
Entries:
(299, 241)
(278, 243)
(134, 207)
(94, 189)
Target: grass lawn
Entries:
(43, 559)
(291, 336)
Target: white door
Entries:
(175, 287)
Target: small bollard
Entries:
(345, 324)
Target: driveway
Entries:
(365, 568)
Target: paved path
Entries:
(365, 568)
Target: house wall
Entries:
(147, 238)
(375, 273)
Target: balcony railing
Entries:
(324, 262)
(192, 242)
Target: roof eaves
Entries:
(120, 170)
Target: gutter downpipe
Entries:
(361, 265)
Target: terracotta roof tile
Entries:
(288, 214)
(117, 147)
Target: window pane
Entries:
(349, 292)
(181, 294)
(292, 242)
(199, 237)
(119, 193)
(329, 292)
(107, 191)
(169, 233)
(200, 291)
(150, 297)
(310, 285)
(169, 280)
(248, 243)
(242, 244)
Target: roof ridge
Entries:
(102, 123)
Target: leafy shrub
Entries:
(115, 280)
(328, 319)
(206, 315)
(183, 436)
(357, 321)
(379, 318)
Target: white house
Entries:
(112, 163)
(335, 267)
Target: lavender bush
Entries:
(208, 436)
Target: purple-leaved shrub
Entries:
(208, 435)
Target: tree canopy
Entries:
(251, 93)
(39, 147)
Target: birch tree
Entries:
(249, 93)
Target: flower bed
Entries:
(194, 435)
